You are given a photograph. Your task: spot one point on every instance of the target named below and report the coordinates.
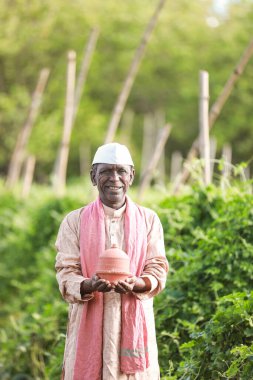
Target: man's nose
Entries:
(115, 175)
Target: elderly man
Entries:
(111, 329)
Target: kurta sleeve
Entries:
(68, 265)
(156, 264)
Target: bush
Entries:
(209, 243)
(33, 323)
(203, 317)
(224, 348)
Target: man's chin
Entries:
(115, 198)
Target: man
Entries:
(111, 329)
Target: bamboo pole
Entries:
(213, 145)
(148, 142)
(247, 172)
(176, 164)
(161, 172)
(86, 61)
(225, 93)
(160, 121)
(28, 176)
(127, 126)
(203, 124)
(127, 86)
(23, 137)
(81, 80)
(227, 157)
(84, 154)
(227, 165)
(61, 170)
(216, 109)
(145, 180)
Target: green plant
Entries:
(209, 244)
(223, 349)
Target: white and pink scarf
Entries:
(133, 350)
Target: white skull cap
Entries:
(113, 153)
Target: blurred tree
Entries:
(189, 36)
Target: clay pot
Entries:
(113, 265)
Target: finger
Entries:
(119, 289)
(122, 288)
(125, 285)
(100, 283)
(130, 280)
(103, 289)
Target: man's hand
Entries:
(95, 284)
(132, 284)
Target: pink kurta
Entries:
(69, 277)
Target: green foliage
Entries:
(182, 43)
(33, 317)
(224, 348)
(210, 245)
(203, 317)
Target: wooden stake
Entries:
(226, 170)
(161, 175)
(127, 86)
(203, 124)
(28, 176)
(216, 109)
(149, 136)
(145, 180)
(84, 152)
(227, 89)
(127, 127)
(86, 61)
(176, 164)
(213, 146)
(23, 137)
(60, 180)
(247, 173)
(160, 121)
(81, 80)
(227, 157)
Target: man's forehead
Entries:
(112, 166)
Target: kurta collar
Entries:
(114, 213)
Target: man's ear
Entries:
(132, 176)
(93, 177)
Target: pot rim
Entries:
(112, 272)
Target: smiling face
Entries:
(112, 182)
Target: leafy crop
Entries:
(223, 349)
(209, 242)
(203, 317)
(33, 316)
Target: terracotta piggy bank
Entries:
(113, 265)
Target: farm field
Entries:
(203, 317)
(173, 82)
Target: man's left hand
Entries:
(132, 284)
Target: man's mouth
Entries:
(115, 187)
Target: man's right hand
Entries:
(95, 284)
